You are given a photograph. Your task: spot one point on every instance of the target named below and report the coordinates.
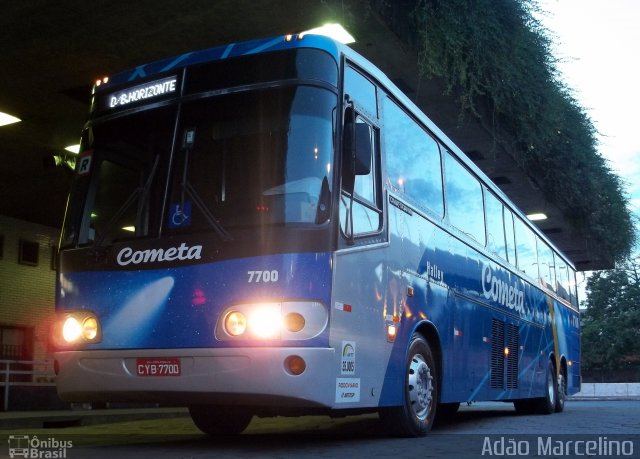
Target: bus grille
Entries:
(514, 356)
(497, 354)
(500, 342)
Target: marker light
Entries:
(235, 324)
(295, 365)
(506, 352)
(391, 333)
(294, 322)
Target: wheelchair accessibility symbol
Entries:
(180, 215)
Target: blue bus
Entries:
(273, 228)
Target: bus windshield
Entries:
(243, 159)
(253, 158)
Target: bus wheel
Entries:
(217, 420)
(415, 416)
(562, 392)
(542, 405)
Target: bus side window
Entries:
(546, 265)
(412, 159)
(526, 249)
(562, 279)
(464, 199)
(366, 212)
(573, 291)
(510, 236)
(495, 225)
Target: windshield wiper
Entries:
(187, 189)
(140, 192)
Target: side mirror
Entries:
(357, 148)
(362, 149)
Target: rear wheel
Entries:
(415, 416)
(562, 392)
(542, 405)
(220, 420)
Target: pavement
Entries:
(85, 417)
(82, 417)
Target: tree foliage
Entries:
(495, 58)
(611, 322)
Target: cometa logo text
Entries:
(128, 256)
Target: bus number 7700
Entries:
(262, 276)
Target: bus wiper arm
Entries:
(140, 191)
(217, 227)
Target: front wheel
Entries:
(415, 416)
(220, 420)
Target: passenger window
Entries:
(573, 287)
(361, 90)
(495, 225)
(546, 265)
(562, 279)
(526, 249)
(366, 212)
(464, 199)
(510, 236)
(412, 158)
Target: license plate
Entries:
(158, 366)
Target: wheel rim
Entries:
(550, 388)
(420, 387)
(562, 389)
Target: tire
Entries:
(415, 416)
(542, 405)
(562, 392)
(217, 420)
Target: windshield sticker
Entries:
(347, 390)
(84, 162)
(348, 365)
(180, 215)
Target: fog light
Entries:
(294, 322)
(71, 330)
(235, 324)
(295, 365)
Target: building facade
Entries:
(27, 289)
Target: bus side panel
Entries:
(365, 291)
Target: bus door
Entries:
(360, 273)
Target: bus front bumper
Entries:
(229, 376)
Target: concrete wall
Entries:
(27, 293)
(627, 391)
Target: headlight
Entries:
(75, 327)
(287, 320)
(235, 323)
(71, 330)
(265, 321)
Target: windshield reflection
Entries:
(257, 158)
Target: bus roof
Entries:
(336, 49)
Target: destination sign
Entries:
(143, 92)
